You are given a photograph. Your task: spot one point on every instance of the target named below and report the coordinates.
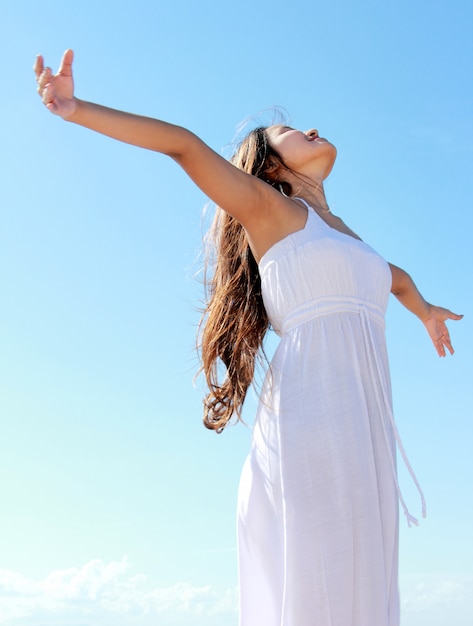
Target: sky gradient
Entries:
(116, 506)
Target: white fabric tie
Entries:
(384, 401)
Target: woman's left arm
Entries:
(433, 317)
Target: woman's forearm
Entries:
(235, 191)
(244, 197)
(137, 130)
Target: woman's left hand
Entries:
(437, 329)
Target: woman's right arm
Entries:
(243, 196)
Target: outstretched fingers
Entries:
(38, 66)
(56, 90)
(43, 79)
(438, 330)
(446, 335)
(65, 69)
(43, 74)
(444, 342)
(47, 97)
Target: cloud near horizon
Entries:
(99, 592)
(111, 594)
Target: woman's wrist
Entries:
(72, 114)
(425, 314)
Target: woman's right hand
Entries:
(57, 90)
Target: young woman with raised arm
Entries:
(319, 494)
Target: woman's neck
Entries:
(314, 195)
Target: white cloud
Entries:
(100, 591)
(112, 594)
(437, 600)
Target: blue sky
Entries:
(116, 506)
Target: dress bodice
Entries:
(319, 270)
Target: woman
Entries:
(318, 513)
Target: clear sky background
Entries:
(116, 506)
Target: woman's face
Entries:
(303, 152)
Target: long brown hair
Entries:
(235, 322)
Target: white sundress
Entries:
(318, 497)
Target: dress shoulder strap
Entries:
(309, 208)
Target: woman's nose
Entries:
(313, 133)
